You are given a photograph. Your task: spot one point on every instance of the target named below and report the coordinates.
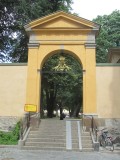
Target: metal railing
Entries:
(25, 124)
(94, 128)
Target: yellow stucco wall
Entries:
(108, 91)
(12, 89)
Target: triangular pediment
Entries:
(61, 20)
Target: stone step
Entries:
(75, 140)
(52, 125)
(85, 134)
(85, 138)
(87, 141)
(87, 145)
(47, 132)
(48, 136)
(43, 148)
(83, 149)
(52, 129)
(75, 133)
(87, 149)
(57, 130)
(75, 145)
(56, 148)
(45, 140)
(42, 144)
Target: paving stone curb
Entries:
(9, 146)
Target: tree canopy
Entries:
(109, 35)
(62, 87)
(14, 14)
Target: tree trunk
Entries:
(51, 97)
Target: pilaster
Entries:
(32, 77)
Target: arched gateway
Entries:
(71, 34)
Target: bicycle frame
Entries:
(106, 141)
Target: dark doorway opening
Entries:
(61, 89)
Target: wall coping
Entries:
(97, 64)
(108, 65)
(13, 64)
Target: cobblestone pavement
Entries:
(16, 154)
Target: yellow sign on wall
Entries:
(30, 108)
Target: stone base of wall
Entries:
(108, 122)
(103, 123)
(7, 123)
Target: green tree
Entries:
(7, 23)
(109, 35)
(14, 14)
(65, 87)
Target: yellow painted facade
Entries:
(20, 84)
(72, 35)
(108, 90)
(12, 89)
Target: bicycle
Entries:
(106, 140)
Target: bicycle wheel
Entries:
(112, 147)
(109, 145)
(102, 142)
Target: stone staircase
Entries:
(86, 142)
(85, 138)
(50, 135)
(55, 134)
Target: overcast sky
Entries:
(89, 9)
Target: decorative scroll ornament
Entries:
(61, 65)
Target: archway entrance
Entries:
(56, 32)
(62, 86)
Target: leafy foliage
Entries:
(14, 14)
(65, 87)
(10, 137)
(109, 35)
(6, 28)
